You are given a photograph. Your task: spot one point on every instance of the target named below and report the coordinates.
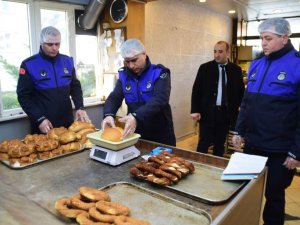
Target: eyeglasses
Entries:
(51, 44)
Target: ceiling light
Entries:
(231, 11)
(202, 0)
(277, 11)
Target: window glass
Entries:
(295, 24)
(252, 28)
(87, 63)
(253, 25)
(296, 43)
(14, 47)
(59, 20)
(257, 49)
(19, 39)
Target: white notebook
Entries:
(243, 166)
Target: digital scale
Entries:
(114, 157)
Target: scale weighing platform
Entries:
(114, 157)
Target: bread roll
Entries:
(84, 140)
(46, 145)
(44, 155)
(34, 138)
(86, 131)
(19, 149)
(70, 147)
(79, 125)
(68, 136)
(54, 133)
(113, 134)
(4, 156)
(4, 146)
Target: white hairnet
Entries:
(48, 31)
(277, 25)
(131, 48)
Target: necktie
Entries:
(224, 88)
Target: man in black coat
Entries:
(217, 94)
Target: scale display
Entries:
(113, 157)
(100, 154)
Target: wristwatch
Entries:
(118, 10)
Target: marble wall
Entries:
(181, 35)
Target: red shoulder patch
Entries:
(22, 71)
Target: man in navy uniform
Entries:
(146, 89)
(269, 119)
(46, 82)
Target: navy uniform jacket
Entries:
(269, 118)
(44, 88)
(147, 97)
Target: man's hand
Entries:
(45, 126)
(81, 115)
(196, 116)
(108, 121)
(291, 163)
(237, 141)
(130, 124)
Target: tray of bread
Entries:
(191, 179)
(126, 203)
(38, 148)
(111, 138)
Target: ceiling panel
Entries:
(245, 9)
(253, 9)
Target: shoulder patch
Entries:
(163, 75)
(22, 71)
(297, 54)
(121, 69)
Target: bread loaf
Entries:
(113, 134)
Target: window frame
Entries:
(34, 28)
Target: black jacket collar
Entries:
(47, 57)
(275, 55)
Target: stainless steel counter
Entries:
(28, 196)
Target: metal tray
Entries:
(96, 139)
(205, 185)
(157, 209)
(39, 161)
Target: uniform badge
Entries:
(149, 84)
(128, 87)
(253, 74)
(43, 73)
(66, 71)
(281, 76)
(163, 75)
(22, 71)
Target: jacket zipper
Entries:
(138, 90)
(262, 81)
